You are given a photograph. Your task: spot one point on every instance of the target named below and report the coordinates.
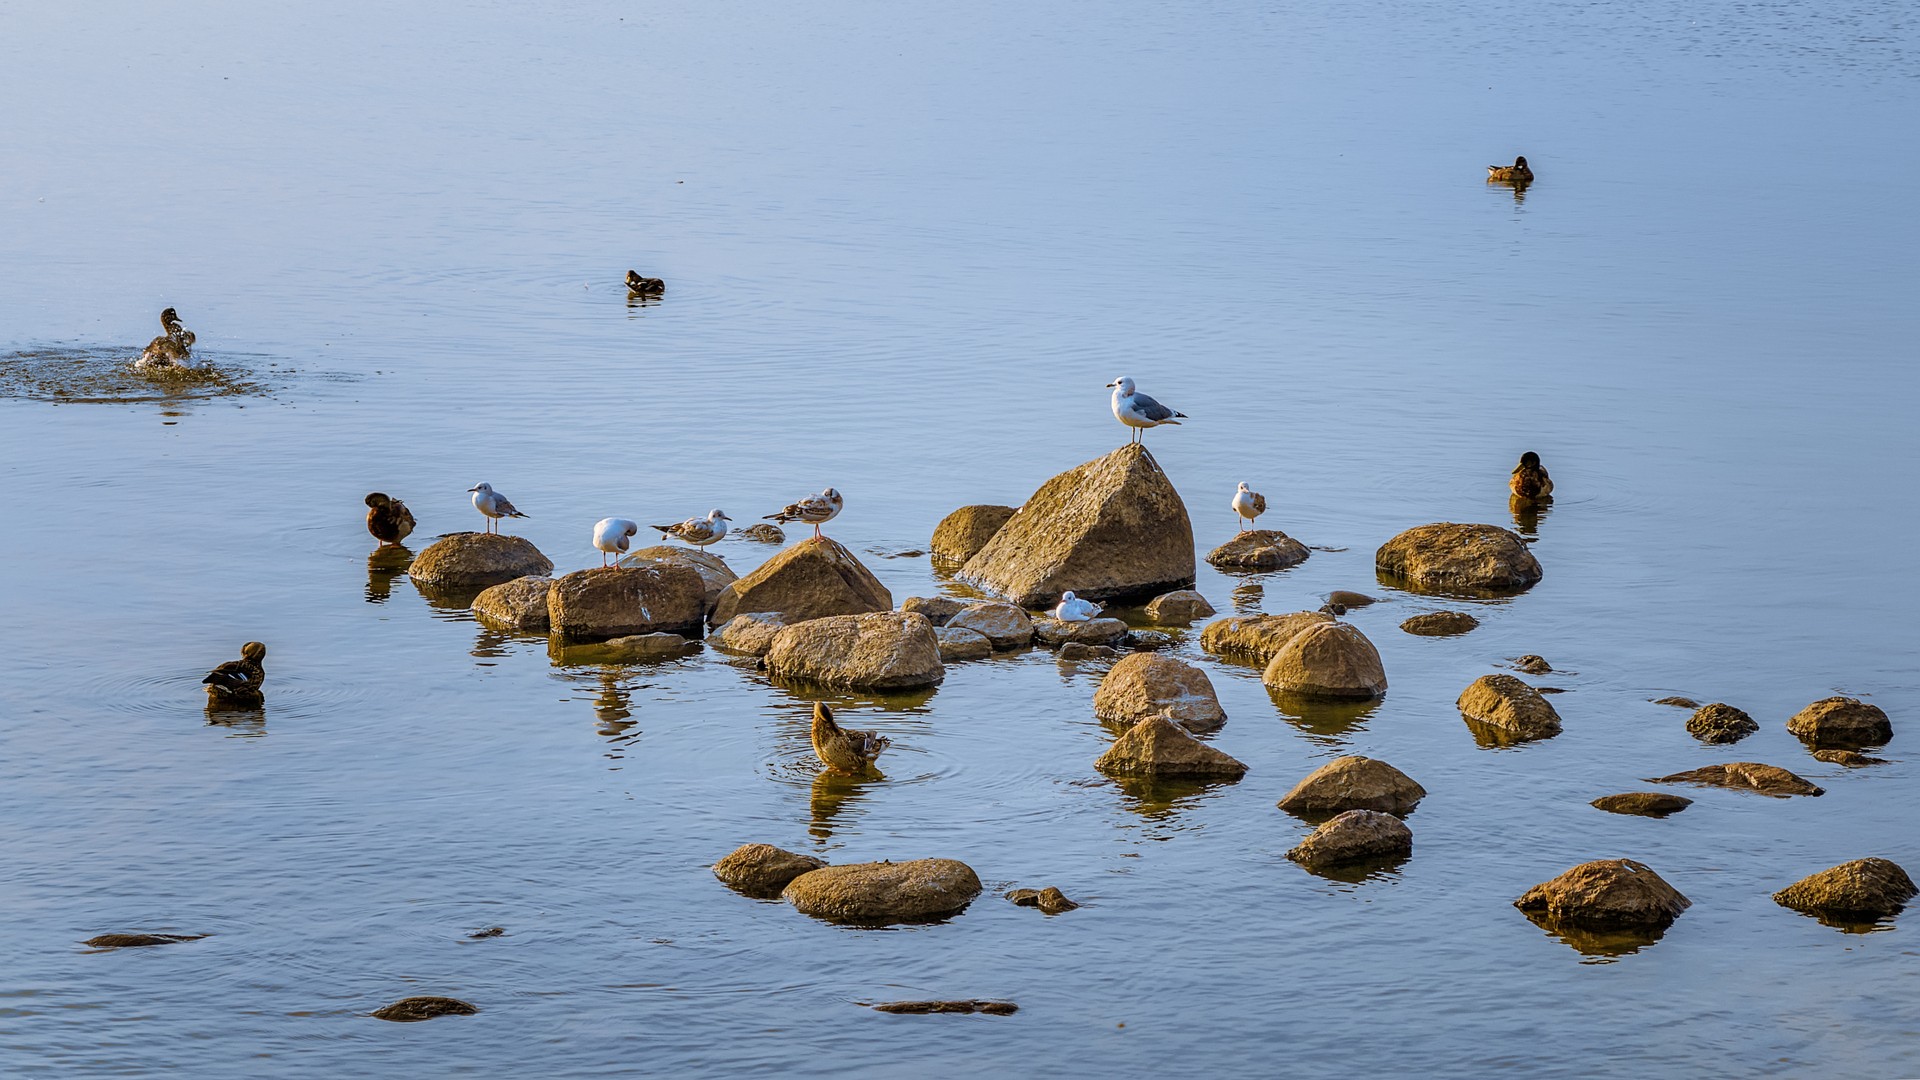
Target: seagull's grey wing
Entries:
(1152, 409)
(504, 507)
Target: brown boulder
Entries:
(1178, 608)
(477, 560)
(1347, 598)
(1854, 892)
(714, 572)
(1050, 901)
(882, 650)
(1440, 624)
(1720, 723)
(937, 609)
(762, 870)
(810, 580)
(1532, 665)
(1603, 894)
(958, 643)
(657, 598)
(517, 606)
(1844, 722)
(1458, 558)
(750, 634)
(1507, 710)
(1354, 836)
(1007, 626)
(1144, 685)
(1354, 783)
(1642, 803)
(425, 1007)
(1113, 529)
(880, 893)
(1332, 660)
(1102, 631)
(961, 534)
(1746, 776)
(1074, 652)
(1159, 747)
(1257, 637)
(1259, 549)
(763, 532)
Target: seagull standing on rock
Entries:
(699, 531)
(1137, 410)
(1248, 504)
(1073, 609)
(493, 504)
(610, 536)
(814, 510)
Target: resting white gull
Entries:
(1137, 410)
(493, 504)
(610, 536)
(1248, 504)
(814, 510)
(699, 531)
(1073, 609)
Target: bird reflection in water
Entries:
(383, 565)
(238, 723)
(613, 707)
(1247, 597)
(835, 793)
(1527, 515)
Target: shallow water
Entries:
(904, 250)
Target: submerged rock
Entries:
(1746, 776)
(762, 870)
(1049, 900)
(1354, 836)
(1440, 624)
(1007, 626)
(1720, 723)
(1329, 660)
(1259, 549)
(1532, 665)
(137, 941)
(1508, 710)
(1852, 759)
(763, 532)
(1113, 529)
(597, 604)
(627, 649)
(937, 609)
(1158, 747)
(414, 1009)
(1144, 685)
(714, 572)
(968, 1005)
(1354, 783)
(1853, 892)
(1102, 631)
(477, 560)
(1643, 803)
(810, 580)
(519, 605)
(1842, 722)
(959, 643)
(882, 650)
(1452, 557)
(1603, 894)
(1349, 599)
(880, 893)
(750, 634)
(1257, 637)
(961, 534)
(1178, 608)
(1074, 651)
(1678, 702)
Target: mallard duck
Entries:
(644, 286)
(1137, 410)
(699, 531)
(814, 510)
(850, 752)
(1530, 483)
(236, 683)
(388, 519)
(610, 536)
(173, 348)
(493, 504)
(1516, 173)
(1248, 504)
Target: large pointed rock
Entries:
(1330, 660)
(1113, 529)
(1449, 557)
(961, 534)
(477, 560)
(810, 580)
(1159, 747)
(883, 650)
(1354, 783)
(593, 605)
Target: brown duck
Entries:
(1516, 173)
(843, 751)
(388, 519)
(644, 286)
(173, 348)
(236, 683)
(1530, 483)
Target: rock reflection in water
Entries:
(1360, 871)
(1328, 721)
(1599, 945)
(383, 565)
(1247, 597)
(1162, 800)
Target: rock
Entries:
(1532, 665)
(489, 932)
(1604, 894)
(1354, 783)
(589, 605)
(1052, 631)
(1450, 557)
(1259, 549)
(413, 1009)
(883, 650)
(714, 572)
(477, 560)
(959, 643)
(762, 870)
(519, 605)
(1745, 776)
(1440, 624)
(1860, 891)
(1178, 608)
(1842, 722)
(1007, 626)
(1508, 710)
(764, 532)
(137, 941)
(1147, 640)
(1113, 529)
(1159, 747)
(1074, 651)
(879, 893)
(1349, 599)
(1354, 836)
(1720, 723)
(1681, 702)
(1257, 637)
(1331, 660)
(1144, 685)
(1852, 759)
(750, 634)
(937, 609)
(628, 649)
(961, 534)
(970, 1005)
(1049, 900)
(810, 580)
(1643, 803)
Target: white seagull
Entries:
(1073, 609)
(814, 510)
(1248, 504)
(493, 504)
(610, 536)
(699, 531)
(1137, 410)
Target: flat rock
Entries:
(959, 643)
(1159, 747)
(1606, 893)
(1532, 665)
(1101, 631)
(1720, 723)
(627, 649)
(1111, 530)
(1329, 660)
(1259, 549)
(1853, 892)
(882, 650)
(1677, 702)
(477, 560)
(762, 870)
(1148, 640)
(764, 532)
(1852, 759)
(1257, 637)
(517, 606)
(1643, 803)
(810, 580)
(1074, 651)
(961, 534)
(1354, 783)
(880, 893)
(1440, 624)
(1507, 710)
(1178, 608)
(1450, 557)
(1049, 900)
(426, 1007)
(1007, 626)
(137, 941)
(714, 572)
(749, 634)
(1746, 776)
(937, 609)
(1143, 685)
(596, 604)
(1843, 722)
(964, 1005)
(1354, 836)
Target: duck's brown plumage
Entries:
(388, 519)
(850, 752)
(644, 286)
(236, 684)
(1516, 173)
(172, 348)
(1530, 482)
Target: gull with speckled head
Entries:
(610, 536)
(814, 510)
(1073, 609)
(1247, 505)
(699, 531)
(1137, 410)
(493, 504)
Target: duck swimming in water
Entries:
(236, 683)
(388, 519)
(843, 751)
(1516, 173)
(172, 349)
(644, 286)
(1530, 483)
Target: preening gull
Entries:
(172, 349)
(1137, 410)
(699, 531)
(1073, 609)
(388, 519)
(1248, 504)
(493, 504)
(610, 536)
(814, 510)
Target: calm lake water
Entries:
(905, 248)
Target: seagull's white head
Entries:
(831, 495)
(1123, 384)
(630, 529)
(481, 487)
(1243, 486)
(717, 515)
(1067, 597)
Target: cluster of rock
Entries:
(865, 894)
(1367, 799)
(1306, 652)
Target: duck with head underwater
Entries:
(236, 684)
(843, 751)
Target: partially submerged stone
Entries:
(1007, 626)
(1329, 660)
(1440, 624)
(1842, 722)
(937, 609)
(1643, 803)
(1354, 783)
(1860, 891)
(966, 1005)
(1259, 549)
(597, 604)
(1148, 639)
(762, 870)
(749, 634)
(810, 580)
(1507, 710)
(1158, 747)
(1606, 893)
(1720, 723)
(958, 643)
(1257, 637)
(1144, 685)
(882, 650)
(1677, 702)
(137, 941)
(1178, 608)
(961, 534)
(1532, 665)
(880, 893)
(1347, 598)
(1049, 900)
(517, 606)
(1354, 836)
(426, 1007)
(1113, 529)
(627, 649)
(714, 572)
(477, 560)
(1101, 631)
(1450, 557)
(762, 532)
(1746, 776)
(1852, 759)
(1074, 652)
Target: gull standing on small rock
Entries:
(1073, 609)
(610, 536)
(699, 531)
(493, 504)
(1137, 410)
(1248, 504)
(814, 510)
